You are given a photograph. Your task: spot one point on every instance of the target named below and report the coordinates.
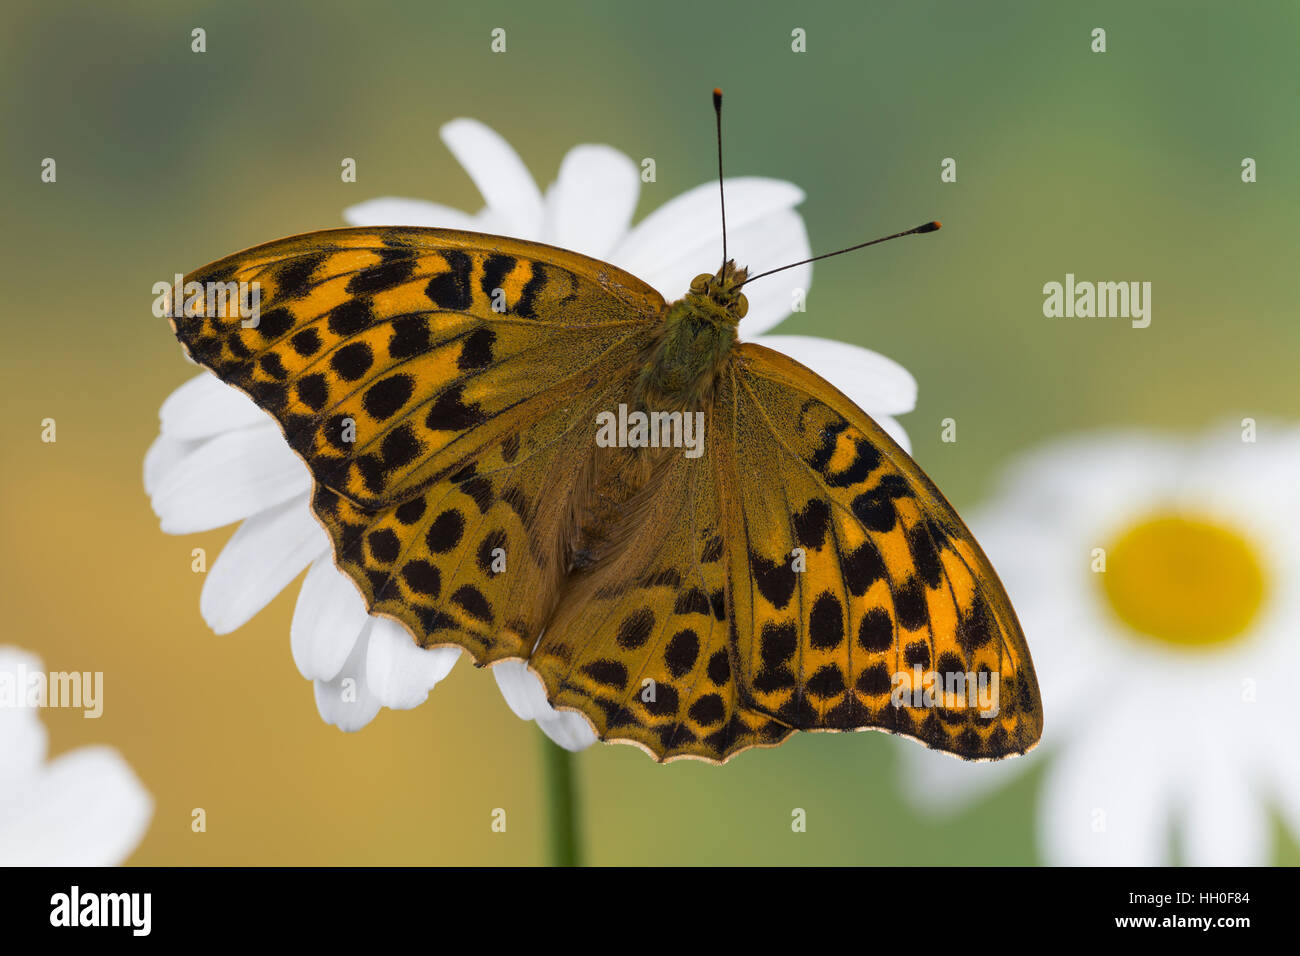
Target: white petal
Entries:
(683, 237)
(163, 455)
(206, 406)
(400, 672)
(1106, 799)
(228, 478)
(1226, 823)
(86, 808)
(498, 172)
(1284, 771)
(347, 701)
(590, 206)
(521, 688)
(327, 621)
(392, 211)
(267, 552)
(941, 783)
(22, 735)
(570, 730)
(526, 696)
(894, 429)
(776, 241)
(875, 383)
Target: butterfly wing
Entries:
(642, 643)
(895, 590)
(389, 355)
(701, 638)
(432, 381)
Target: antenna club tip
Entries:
(934, 226)
(717, 96)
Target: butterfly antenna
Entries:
(924, 227)
(722, 196)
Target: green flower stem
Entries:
(562, 804)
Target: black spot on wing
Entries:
(352, 361)
(410, 337)
(775, 581)
(295, 274)
(527, 304)
(450, 290)
(383, 399)
(395, 266)
(451, 413)
(635, 629)
(495, 269)
(476, 352)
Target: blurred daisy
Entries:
(1155, 579)
(84, 808)
(219, 459)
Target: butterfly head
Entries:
(719, 296)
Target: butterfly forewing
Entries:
(388, 356)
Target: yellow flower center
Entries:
(1184, 581)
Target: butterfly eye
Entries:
(700, 284)
(742, 306)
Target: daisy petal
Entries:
(894, 430)
(266, 552)
(228, 478)
(164, 455)
(570, 730)
(941, 783)
(1284, 770)
(399, 672)
(591, 203)
(87, 808)
(22, 735)
(327, 620)
(875, 383)
(347, 701)
(500, 175)
(1106, 798)
(206, 406)
(683, 237)
(526, 696)
(1226, 823)
(777, 241)
(521, 688)
(392, 211)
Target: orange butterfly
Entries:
(695, 542)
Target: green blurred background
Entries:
(1123, 165)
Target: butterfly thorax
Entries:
(698, 332)
(677, 375)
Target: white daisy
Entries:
(1166, 677)
(83, 808)
(220, 459)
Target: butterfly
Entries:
(482, 418)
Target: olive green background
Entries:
(1123, 165)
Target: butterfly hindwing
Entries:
(474, 559)
(642, 642)
(853, 578)
(390, 355)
